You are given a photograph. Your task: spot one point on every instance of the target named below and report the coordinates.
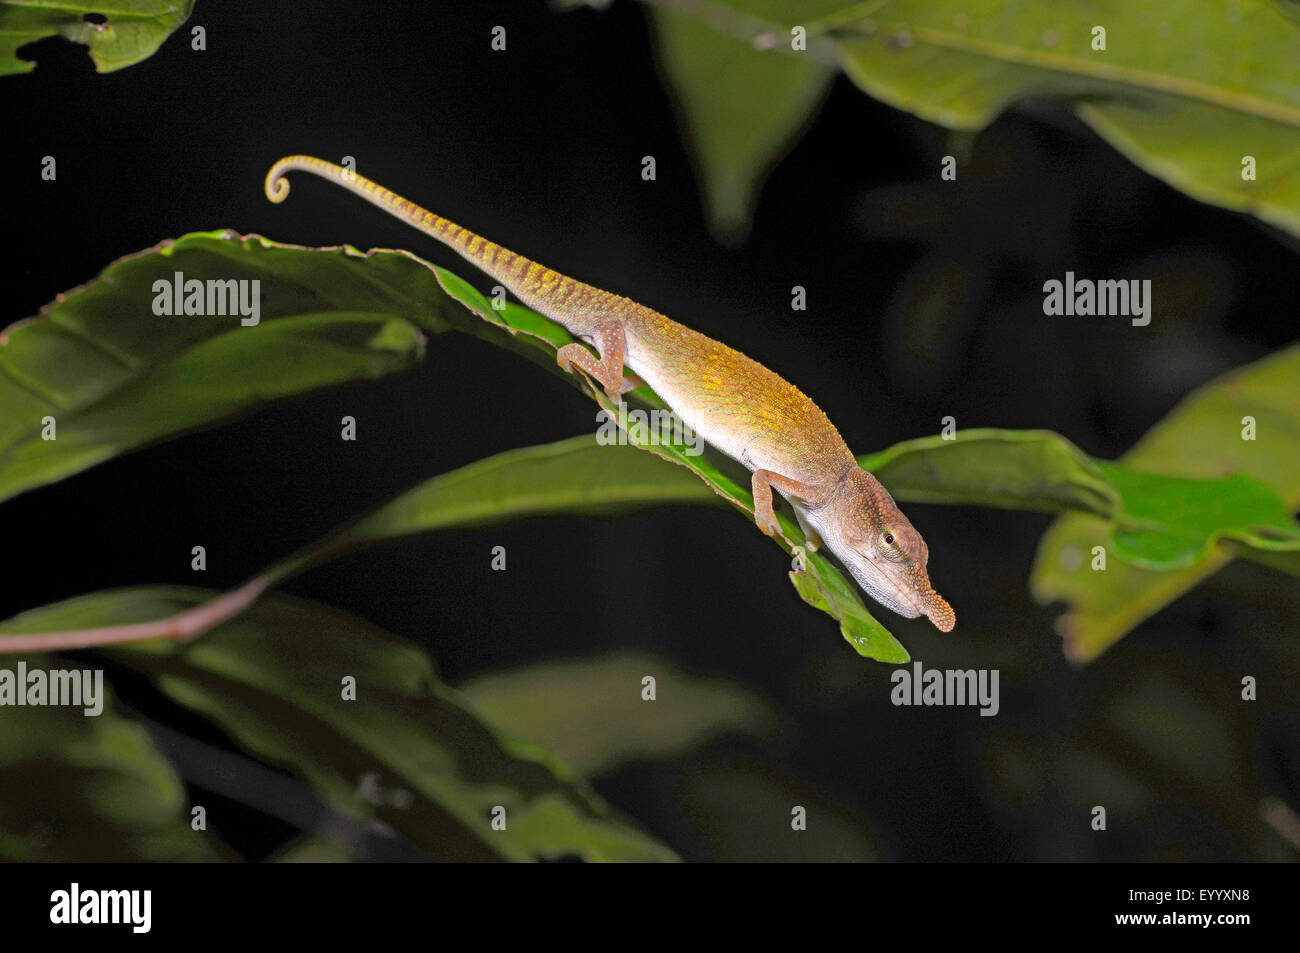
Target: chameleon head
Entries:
(863, 526)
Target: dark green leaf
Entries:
(1187, 91)
(1202, 438)
(407, 751)
(77, 787)
(1174, 522)
(115, 376)
(740, 108)
(1033, 470)
(132, 30)
(608, 723)
(574, 476)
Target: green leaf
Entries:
(739, 107)
(1201, 438)
(608, 724)
(577, 476)
(273, 680)
(132, 29)
(77, 787)
(1159, 522)
(837, 597)
(1034, 470)
(115, 376)
(1186, 91)
(1175, 522)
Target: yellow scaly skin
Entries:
(733, 402)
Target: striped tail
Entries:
(579, 307)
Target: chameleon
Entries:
(733, 402)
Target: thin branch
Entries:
(183, 626)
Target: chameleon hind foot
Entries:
(611, 341)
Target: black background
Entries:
(539, 148)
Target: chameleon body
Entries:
(741, 407)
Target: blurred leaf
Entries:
(927, 320)
(1168, 748)
(316, 849)
(1183, 96)
(115, 376)
(132, 29)
(1172, 723)
(739, 107)
(1201, 437)
(1184, 91)
(273, 680)
(85, 788)
(591, 714)
(740, 811)
(1176, 522)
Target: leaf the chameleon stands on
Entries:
(1201, 438)
(118, 34)
(1204, 95)
(274, 680)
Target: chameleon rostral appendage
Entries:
(738, 405)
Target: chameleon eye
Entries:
(889, 539)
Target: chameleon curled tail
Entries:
(568, 301)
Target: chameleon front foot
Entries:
(762, 483)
